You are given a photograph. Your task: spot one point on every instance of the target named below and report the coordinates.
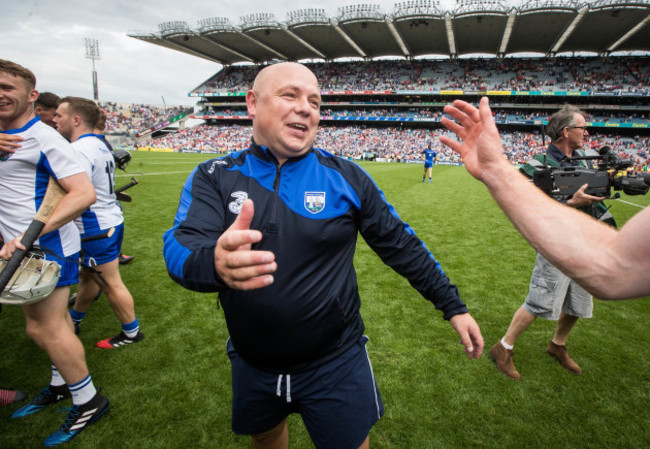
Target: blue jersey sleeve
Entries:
(188, 247)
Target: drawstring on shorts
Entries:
(278, 391)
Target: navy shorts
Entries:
(339, 402)
(103, 250)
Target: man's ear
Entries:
(33, 95)
(251, 102)
(565, 132)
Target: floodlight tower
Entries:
(92, 52)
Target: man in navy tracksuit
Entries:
(273, 229)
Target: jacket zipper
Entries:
(272, 226)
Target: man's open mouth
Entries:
(298, 126)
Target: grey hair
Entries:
(560, 120)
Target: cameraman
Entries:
(552, 295)
(609, 264)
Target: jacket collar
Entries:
(557, 155)
(266, 154)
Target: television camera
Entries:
(559, 181)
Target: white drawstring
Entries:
(278, 390)
(288, 388)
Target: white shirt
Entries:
(99, 164)
(24, 176)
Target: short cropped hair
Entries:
(47, 100)
(560, 120)
(101, 121)
(14, 69)
(84, 108)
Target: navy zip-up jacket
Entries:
(309, 211)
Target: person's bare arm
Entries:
(80, 195)
(609, 264)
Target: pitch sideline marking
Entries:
(631, 204)
(152, 174)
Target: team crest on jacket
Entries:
(314, 201)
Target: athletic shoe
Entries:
(79, 417)
(10, 396)
(125, 259)
(561, 353)
(49, 395)
(120, 339)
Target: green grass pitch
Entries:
(173, 389)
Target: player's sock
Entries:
(506, 345)
(56, 380)
(131, 329)
(76, 316)
(83, 391)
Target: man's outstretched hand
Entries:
(480, 145)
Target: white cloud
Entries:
(48, 38)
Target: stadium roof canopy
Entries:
(415, 28)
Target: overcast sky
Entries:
(47, 36)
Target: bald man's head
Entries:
(284, 103)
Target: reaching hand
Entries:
(8, 144)
(12, 245)
(470, 334)
(238, 266)
(481, 145)
(581, 199)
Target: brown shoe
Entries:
(561, 353)
(503, 359)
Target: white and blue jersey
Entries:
(429, 157)
(99, 164)
(24, 176)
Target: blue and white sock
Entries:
(56, 380)
(77, 316)
(83, 391)
(131, 329)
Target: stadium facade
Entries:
(419, 36)
(413, 29)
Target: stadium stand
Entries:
(391, 107)
(132, 119)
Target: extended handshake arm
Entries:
(609, 264)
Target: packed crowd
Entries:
(613, 116)
(629, 74)
(394, 144)
(203, 138)
(500, 115)
(130, 118)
